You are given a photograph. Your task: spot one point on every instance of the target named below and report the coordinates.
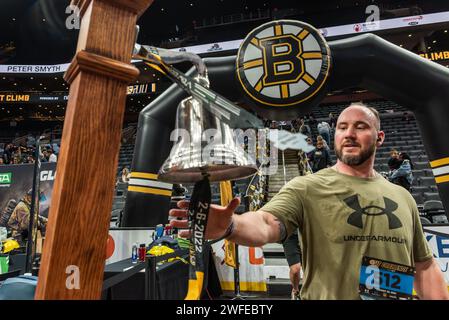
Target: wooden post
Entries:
(75, 246)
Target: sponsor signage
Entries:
(404, 22)
(34, 68)
(141, 88)
(17, 180)
(395, 23)
(5, 178)
(436, 56)
(31, 98)
(46, 98)
(437, 237)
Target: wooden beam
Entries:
(79, 215)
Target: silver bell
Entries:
(204, 145)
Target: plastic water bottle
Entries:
(134, 255)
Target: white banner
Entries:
(251, 268)
(395, 23)
(34, 68)
(327, 32)
(438, 239)
(120, 243)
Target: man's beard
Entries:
(353, 160)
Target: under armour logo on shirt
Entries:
(355, 218)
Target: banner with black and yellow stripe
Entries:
(440, 169)
(147, 183)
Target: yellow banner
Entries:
(436, 56)
(226, 197)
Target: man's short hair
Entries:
(373, 111)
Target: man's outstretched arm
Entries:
(249, 229)
(429, 281)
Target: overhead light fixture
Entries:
(32, 78)
(409, 35)
(401, 45)
(43, 20)
(445, 31)
(434, 41)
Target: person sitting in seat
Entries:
(403, 176)
(394, 162)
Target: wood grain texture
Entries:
(86, 61)
(137, 7)
(79, 216)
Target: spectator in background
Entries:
(51, 156)
(320, 139)
(321, 158)
(403, 176)
(55, 148)
(31, 141)
(324, 130)
(394, 162)
(312, 121)
(406, 116)
(332, 120)
(304, 128)
(309, 154)
(125, 175)
(7, 154)
(292, 251)
(2, 161)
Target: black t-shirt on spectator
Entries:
(320, 159)
(394, 163)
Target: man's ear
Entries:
(380, 138)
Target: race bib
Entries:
(381, 279)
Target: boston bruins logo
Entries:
(283, 63)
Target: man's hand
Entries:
(218, 222)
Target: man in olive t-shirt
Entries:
(344, 213)
(342, 218)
